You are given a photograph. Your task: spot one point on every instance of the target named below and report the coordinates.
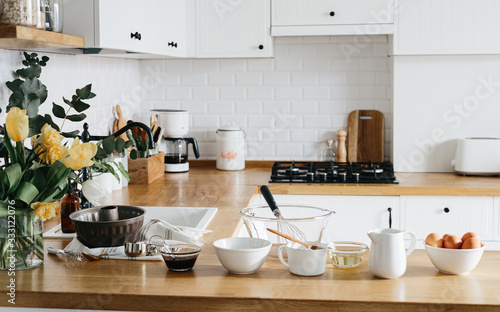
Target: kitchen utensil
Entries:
(135, 249)
(365, 136)
(154, 124)
(477, 156)
(157, 135)
(309, 246)
(242, 255)
(108, 213)
(283, 226)
(94, 258)
(304, 261)
(72, 259)
(230, 141)
(120, 123)
(94, 233)
(310, 220)
(346, 254)
(387, 252)
(180, 257)
(454, 261)
(341, 149)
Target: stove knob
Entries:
(343, 177)
(310, 176)
(356, 176)
(322, 176)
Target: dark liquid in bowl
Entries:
(182, 264)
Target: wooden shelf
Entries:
(19, 37)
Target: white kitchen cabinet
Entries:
(228, 28)
(125, 25)
(455, 215)
(496, 219)
(332, 17)
(447, 27)
(354, 215)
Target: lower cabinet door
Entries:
(455, 215)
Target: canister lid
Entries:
(230, 126)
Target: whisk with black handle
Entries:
(283, 226)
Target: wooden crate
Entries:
(146, 170)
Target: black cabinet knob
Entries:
(332, 13)
(172, 44)
(136, 35)
(390, 217)
(261, 47)
(446, 209)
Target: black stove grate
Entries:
(333, 172)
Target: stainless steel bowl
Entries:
(94, 233)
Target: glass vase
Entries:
(21, 240)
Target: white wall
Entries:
(438, 99)
(288, 105)
(115, 81)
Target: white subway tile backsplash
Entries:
(249, 79)
(276, 79)
(205, 93)
(248, 107)
(316, 93)
(316, 121)
(220, 107)
(221, 79)
(287, 93)
(305, 79)
(304, 107)
(288, 105)
(232, 93)
(260, 93)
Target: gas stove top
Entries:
(333, 172)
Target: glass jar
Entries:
(53, 15)
(20, 12)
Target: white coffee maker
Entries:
(175, 124)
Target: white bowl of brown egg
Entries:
(451, 254)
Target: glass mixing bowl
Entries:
(309, 220)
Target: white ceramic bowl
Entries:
(454, 261)
(242, 255)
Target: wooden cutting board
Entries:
(365, 136)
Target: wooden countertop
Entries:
(149, 286)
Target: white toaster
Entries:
(477, 156)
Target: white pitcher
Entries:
(387, 252)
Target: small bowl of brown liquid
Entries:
(346, 254)
(180, 257)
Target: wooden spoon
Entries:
(121, 122)
(309, 246)
(92, 257)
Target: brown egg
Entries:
(452, 242)
(445, 235)
(469, 235)
(471, 243)
(434, 240)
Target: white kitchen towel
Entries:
(152, 231)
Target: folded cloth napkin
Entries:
(155, 232)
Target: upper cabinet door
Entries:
(447, 27)
(228, 28)
(176, 26)
(330, 12)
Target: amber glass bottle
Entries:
(69, 203)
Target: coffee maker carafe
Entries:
(175, 124)
(176, 153)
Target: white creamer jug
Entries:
(230, 147)
(387, 252)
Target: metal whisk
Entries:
(282, 225)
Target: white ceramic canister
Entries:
(230, 147)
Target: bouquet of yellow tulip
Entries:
(34, 176)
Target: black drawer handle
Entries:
(390, 217)
(332, 13)
(172, 44)
(446, 210)
(136, 35)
